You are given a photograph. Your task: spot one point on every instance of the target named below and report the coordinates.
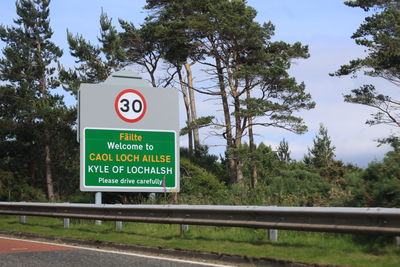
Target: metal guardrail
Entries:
(341, 220)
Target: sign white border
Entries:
(83, 187)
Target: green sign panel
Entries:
(129, 160)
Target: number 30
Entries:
(137, 105)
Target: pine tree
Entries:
(380, 36)
(249, 70)
(283, 151)
(35, 118)
(178, 48)
(322, 153)
(95, 63)
(142, 47)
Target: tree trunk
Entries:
(152, 78)
(228, 125)
(193, 113)
(48, 161)
(252, 147)
(233, 85)
(254, 172)
(187, 108)
(238, 143)
(49, 174)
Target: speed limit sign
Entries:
(129, 136)
(130, 105)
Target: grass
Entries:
(340, 249)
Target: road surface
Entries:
(18, 252)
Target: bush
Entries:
(199, 185)
(381, 183)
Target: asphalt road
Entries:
(18, 252)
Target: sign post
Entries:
(128, 136)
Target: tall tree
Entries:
(142, 47)
(380, 35)
(283, 151)
(322, 153)
(181, 51)
(251, 72)
(36, 115)
(249, 69)
(94, 63)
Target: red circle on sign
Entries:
(125, 111)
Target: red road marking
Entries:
(10, 246)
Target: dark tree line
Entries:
(36, 125)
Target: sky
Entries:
(325, 26)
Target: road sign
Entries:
(130, 105)
(120, 159)
(128, 136)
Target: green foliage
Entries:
(95, 63)
(283, 151)
(382, 182)
(280, 183)
(206, 161)
(251, 71)
(298, 187)
(143, 46)
(263, 158)
(379, 34)
(198, 185)
(197, 124)
(80, 197)
(13, 187)
(281, 95)
(322, 153)
(369, 96)
(393, 141)
(35, 123)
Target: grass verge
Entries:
(323, 248)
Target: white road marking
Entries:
(124, 253)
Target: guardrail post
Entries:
(397, 240)
(22, 219)
(98, 202)
(273, 235)
(184, 229)
(118, 225)
(66, 222)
